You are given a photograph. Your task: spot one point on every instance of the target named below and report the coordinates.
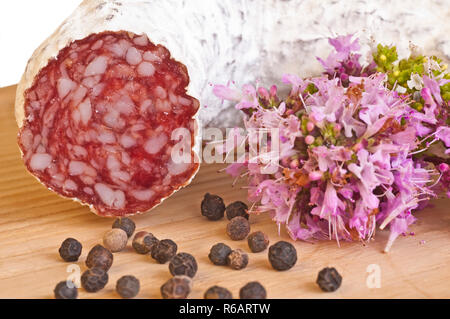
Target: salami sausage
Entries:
(98, 120)
(101, 76)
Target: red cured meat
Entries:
(99, 122)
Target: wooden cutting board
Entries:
(34, 222)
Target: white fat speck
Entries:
(143, 195)
(64, 86)
(151, 57)
(88, 190)
(146, 106)
(80, 151)
(87, 180)
(160, 93)
(126, 159)
(79, 95)
(184, 101)
(127, 141)
(167, 179)
(90, 171)
(106, 137)
(146, 69)
(177, 168)
(76, 116)
(91, 81)
(40, 162)
(59, 176)
(133, 56)
(27, 139)
(125, 105)
(141, 40)
(70, 185)
(35, 105)
(97, 66)
(162, 105)
(76, 168)
(113, 119)
(97, 45)
(96, 90)
(85, 111)
(114, 199)
(173, 98)
(119, 48)
(122, 175)
(112, 163)
(154, 144)
(138, 127)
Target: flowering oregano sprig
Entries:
(354, 153)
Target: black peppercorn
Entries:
(99, 257)
(63, 291)
(282, 255)
(258, 241)
(144, 242)
(219, 253)
(70, 249)
(177, 287)
(183, 264)
(164, 250)
(216, 292)
(212, 207)
(237, 209)
(238, 228)
(329, 279)
(253, 290)
(94, 279)
(127, 287)
(238, 259)
(125, 224)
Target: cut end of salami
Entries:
(99, 120)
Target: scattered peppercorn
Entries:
(282, 255)
(94, 279)
(115, 240)
(144, 242)
(237, 259)
(237, 209)
(164, 250)
(99, 257)
(127, 287)
(183, 264)
(212, 207)
(177, 287)
(238, 228)
(70, 249)
(329, 279)
(216, 292)
(126, 224)
(219, 253)
(253, 290)
(258, 241)
(63, 291)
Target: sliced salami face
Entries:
(99, 120)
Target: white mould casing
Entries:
(249, 40)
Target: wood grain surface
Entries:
(34, 222)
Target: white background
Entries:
(24, 25)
